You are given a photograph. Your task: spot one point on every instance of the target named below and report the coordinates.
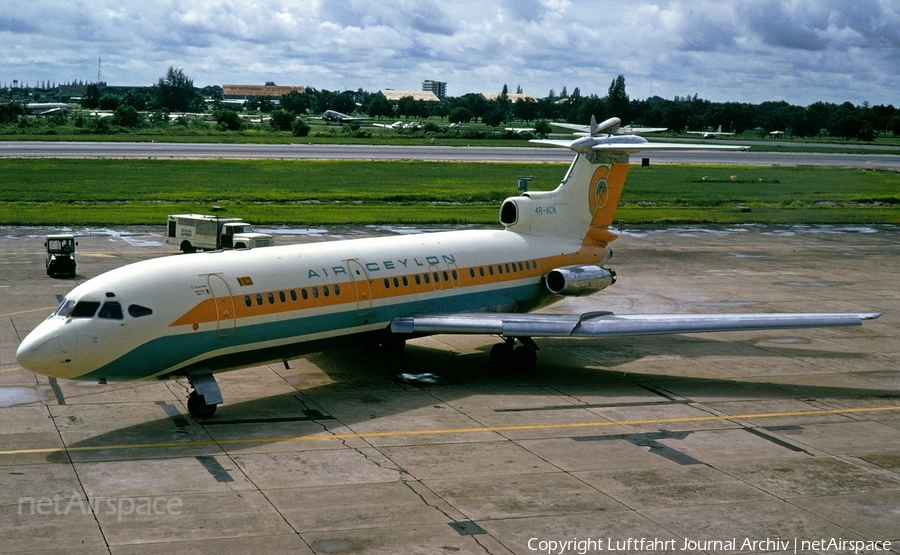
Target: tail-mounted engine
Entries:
(579, 279)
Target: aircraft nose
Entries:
(38, 352)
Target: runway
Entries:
(300, 151)
(692, 441)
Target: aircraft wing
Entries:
(603, 324)
(653, 146)
(572, 126)
(552, 142)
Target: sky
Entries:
(798, 51)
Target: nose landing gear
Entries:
(203, 401)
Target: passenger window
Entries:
(507, 267)
(481, 271)
(500, 269)
(427, 279)
(455, 274)
(247, 301)
(85, 309)
(325, 290)
(315, 292)
(294, 295)
(281, 296)
(304, 294)
(271, 298)
(259, 299)
(491, 270)
(405, 281)
(521, 268)
(437, 277)
(337, 289)
(418, 279)
(396, 282)
(471, 272)
(111, 310)
(137, 310)
(387, 283)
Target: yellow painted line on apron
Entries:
(495, 429)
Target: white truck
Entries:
(192, 232)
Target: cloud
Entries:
(797, 50)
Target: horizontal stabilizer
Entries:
(601, 324)
(627, 144)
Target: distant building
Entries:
(513, 97)
(395, 95)
(439, 88)
(244, 92)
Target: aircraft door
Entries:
(362, 286)
(224, 304)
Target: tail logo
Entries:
(599, 191)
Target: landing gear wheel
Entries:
(197, 406)
(502, 355)
(524, 358)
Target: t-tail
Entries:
(584, 204)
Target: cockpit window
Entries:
(85, 309)
(137, 310)
(111, 310)
(65, 307)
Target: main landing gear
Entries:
(206, 396)
(507, 356)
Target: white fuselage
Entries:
(225, 310)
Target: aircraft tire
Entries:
(198, 408)
(524, 358)
(501, 355)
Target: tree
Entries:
(109, 102)
(618, 100)
(126, 116)
(176, 92)
(379, 107)
(281, 120)
(493, 117)
(542, 128)
(299, 128)
(10, 112)
(525, 110)
(406, 106)
(227, 120)
(295, 102)
(91, 98)
(460, 114)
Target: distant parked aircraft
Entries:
(710, 134)
(46, 108)
(333, 115)
(399, 125)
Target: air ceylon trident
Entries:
(194, 315)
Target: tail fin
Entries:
(584, 204)
(581, 208)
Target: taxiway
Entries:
(792, 435)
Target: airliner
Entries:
(193, 315)
(333, 115)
